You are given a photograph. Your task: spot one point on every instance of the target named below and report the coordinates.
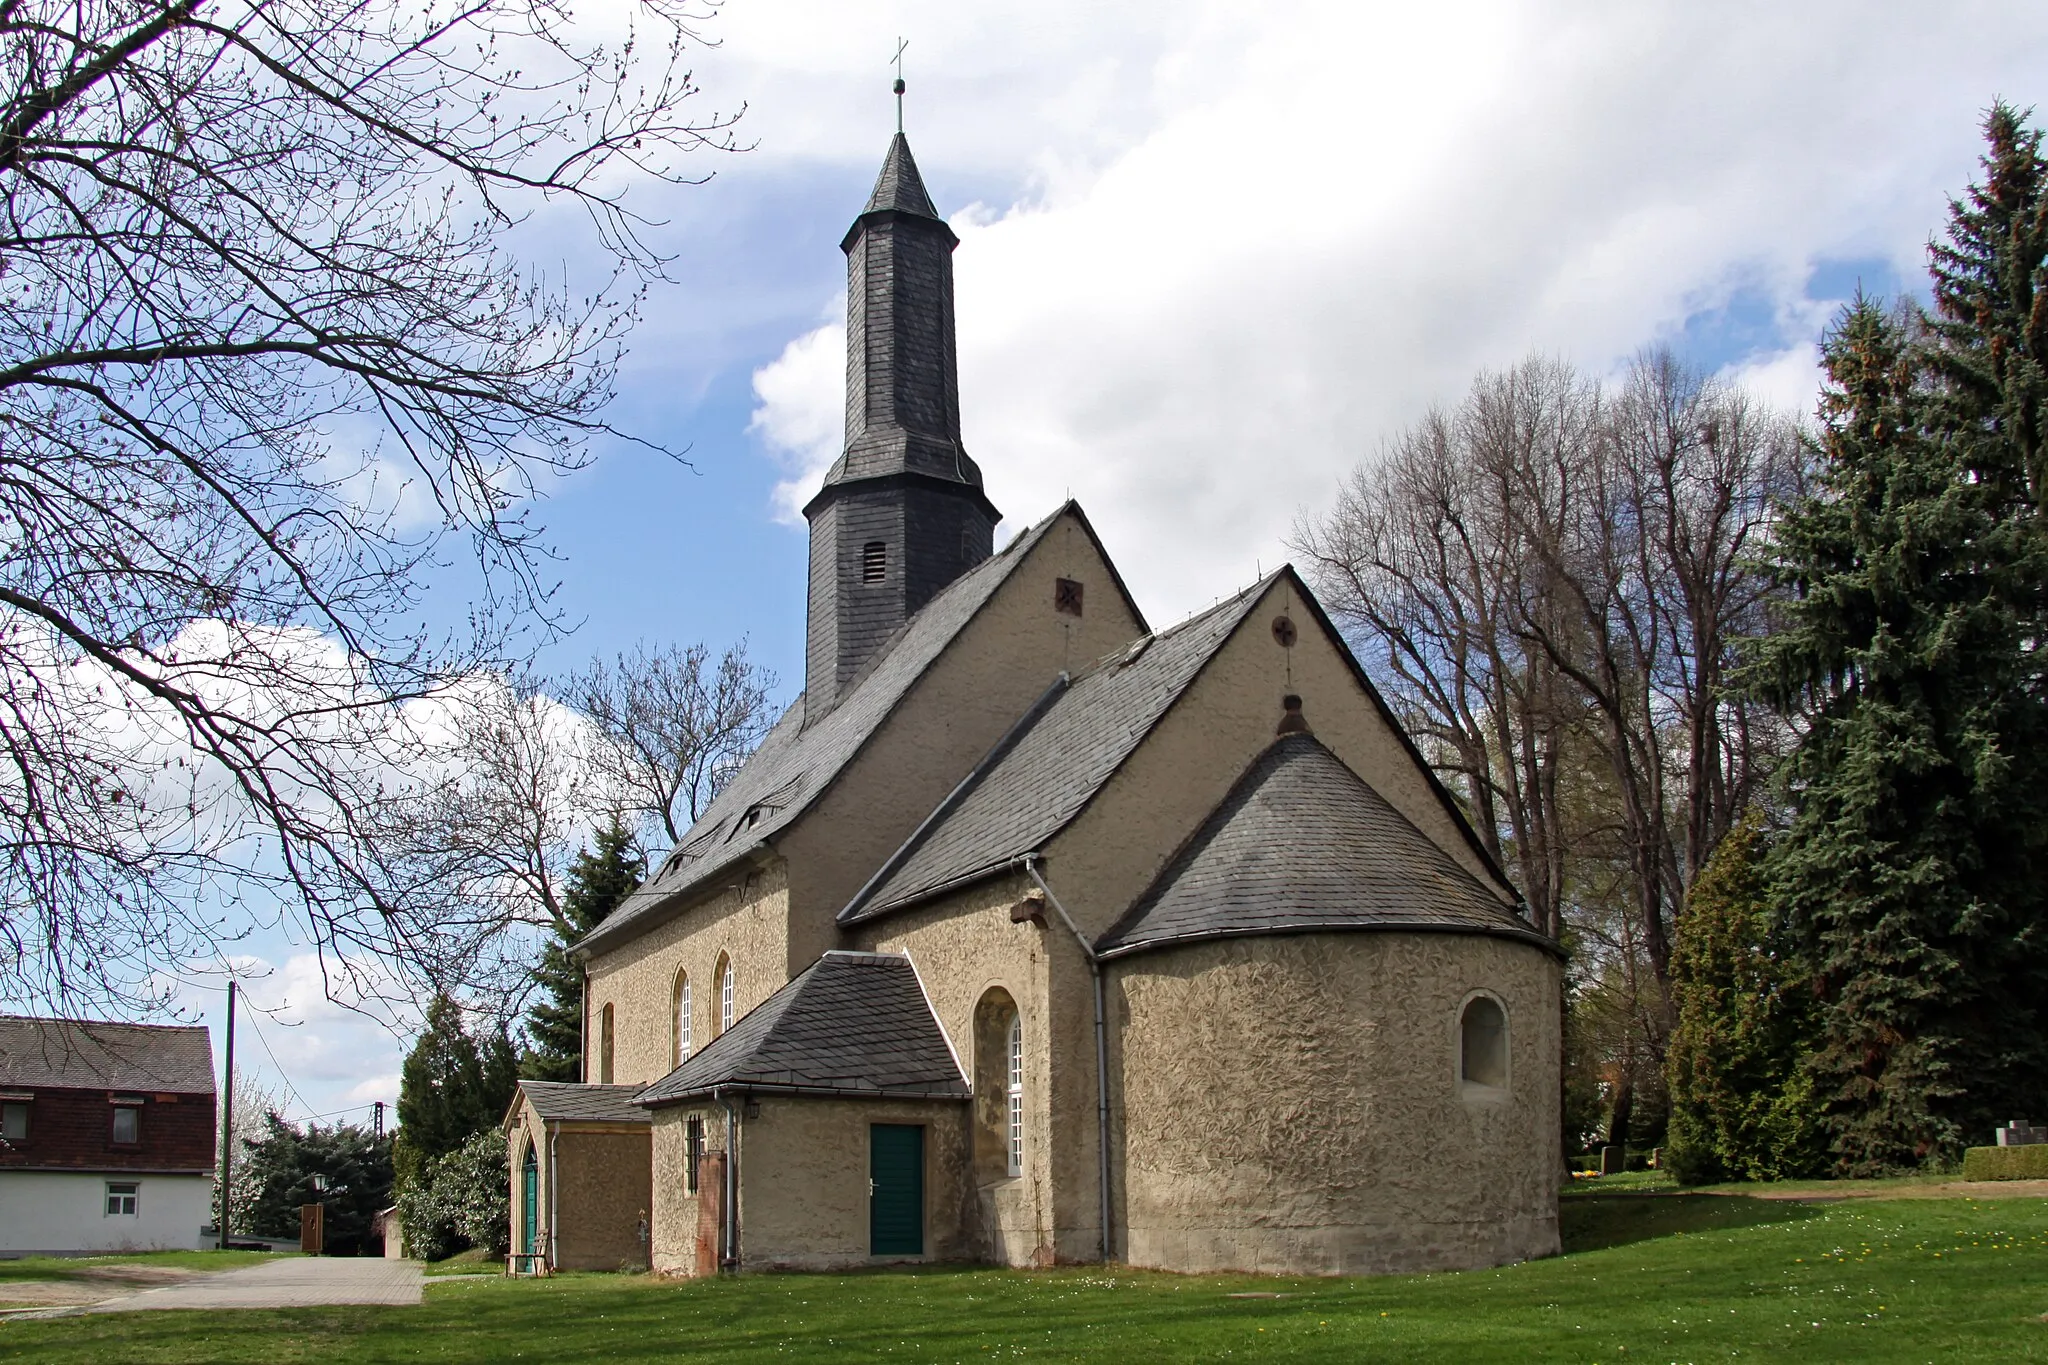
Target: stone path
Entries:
(293, 1282)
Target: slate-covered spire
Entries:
(902, 512)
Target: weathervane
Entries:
(901, 43)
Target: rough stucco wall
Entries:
(997, 667)
(1102, 862)
(804, 1182)
(750, 921)
(964, 946)
(604, 1179)
(1293, 1105)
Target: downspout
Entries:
(731, 1259)
(554, 1195)
(1030, 864)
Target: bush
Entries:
(2006, 1163)
(459, 1201)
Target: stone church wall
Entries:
(595, 1187)
(748, 921)
(1294, 1105)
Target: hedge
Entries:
(2006, 1163)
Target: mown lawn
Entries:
(1655, 1278)
(83, 1267)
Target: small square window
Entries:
(1066, 596)
(14, 1122)
(127, 1124)
(122, 1197)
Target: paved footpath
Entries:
(292, 1282)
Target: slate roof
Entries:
(1032, 785)
(798, 761)
(573, 1103)
(1300, 843)
(899, 186)
(852, 1024)
(90, 1055)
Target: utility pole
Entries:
(378, 1119)
(227, 1121)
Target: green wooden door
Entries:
(529, 1201)
(895, 1189)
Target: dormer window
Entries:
(874, 561)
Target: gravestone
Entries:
(2020, 1133)
(1611, 1160)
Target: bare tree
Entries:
(677, 727)
(264, 357)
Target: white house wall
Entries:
(65, 1212)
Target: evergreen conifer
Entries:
(598, 881)
(449, 1088)
(1741, 1100)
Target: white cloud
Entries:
(1237, 257)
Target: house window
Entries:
(1015, 1095)
(122, 1197)
(1483, 1044)
(127, 1124)
(682, 1030)
(14, 1122)
(604, 1046)
(874, 562)
(724, 993)
(693, 1146)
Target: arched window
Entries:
(604, 1046)
(1483, 1044)
(682, 1020)
(1015, 1095)
(724, 993)
(998, 1087)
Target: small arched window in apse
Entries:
(682, 1022)
(724, 993)
(1483, 1044)
(604, 1046)
(1015, 1095)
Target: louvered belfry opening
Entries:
(902, 512)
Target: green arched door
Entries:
(529, 1202)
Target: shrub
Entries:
(2006, 1163)
(459, 1200)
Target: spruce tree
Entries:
(1908, 872)
(449, 1088)
(598, 881)
(1741, 1099)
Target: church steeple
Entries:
(902, 512)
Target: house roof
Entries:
(572, 1103)
(1302, 843)
(1033, 784)
(802, 756)
(851, 1024)
(93, 1055)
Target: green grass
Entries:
(79, 1267)
(1662, 1278)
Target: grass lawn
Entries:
(84, 1267)
(1649, 1278)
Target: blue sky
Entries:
(1210, 258)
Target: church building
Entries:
(1033, 934)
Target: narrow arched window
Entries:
(724, 993)
(1016, 1095)
(1483, 1044)
(604, 1046)
(998, 1087)
(682, 1024)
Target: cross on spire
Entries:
(901, 43)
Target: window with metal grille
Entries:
(122, 1197)
(725, 995)
(1016, 1095)
(682, 1035)
(693, 1145)
(874, 561)
(1066, 596)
